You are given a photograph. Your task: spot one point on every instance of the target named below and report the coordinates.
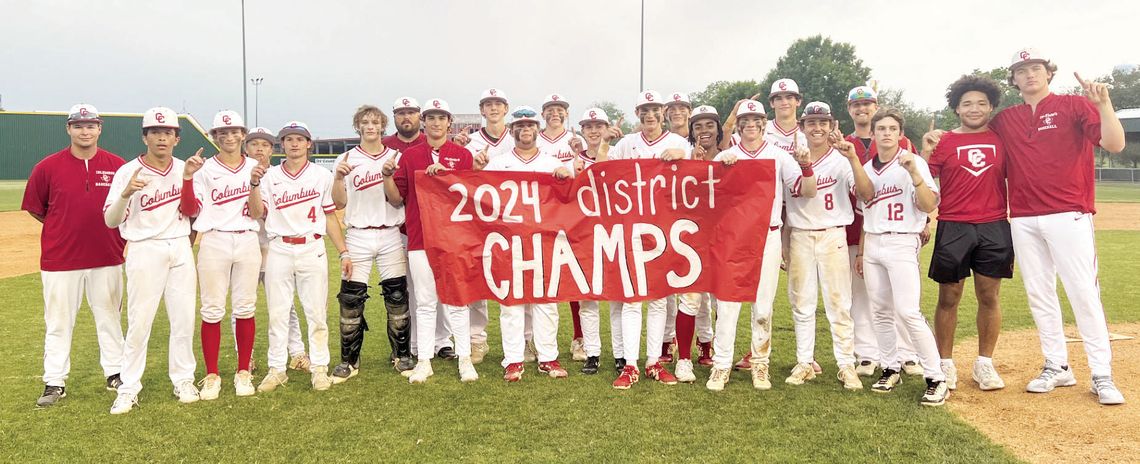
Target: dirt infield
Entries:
(19, 244)
(1066, 425)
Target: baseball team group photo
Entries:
(450, 243)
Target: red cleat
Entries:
(666, 352)
(629, 376)
(658, 372)
(705, 349)
(745, 363)
(514, 372)
(553, 369)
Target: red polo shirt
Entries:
(418, 158)
(1050, 155)
(69, 194)
(393, 141)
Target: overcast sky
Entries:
(320, 60)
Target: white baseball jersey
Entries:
(775, 135)
(297, 202)
(367, 204)
(560, 146)
(787, 172)
(894, 208)
(152, 213)
(478, 141)
(544, 161)
(831, 206)
(636, 146)
(222, 194)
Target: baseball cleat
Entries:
(718, 378)
(467, 372)
(629, 376)
(124, 403)
(530, 354)
(272, 380)
(320, 378)
(421, 373)
(243, 384)
(951, 373)
(114, 382)
(1051, 376)
(666, 353)
(591, 366)
(578, 349)
(800, 374)
(298, 362)
(705, 356)
(479, 351)
(815, 367)
(659, 373)
(514, 372)
(553, 369)
(866, 368)
(619, 365)
(211, 387)
(685, 371)
(987, 377)
(936, 393)
(186, 392)
(342, 372)
(446, 352)
(849, 378)
(912, 368)
(745, 363)
(760, 380)
(887, 381)
(1106, 391)
(52, 395)
(404, 364)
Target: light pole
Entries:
(256, 103)
(244, 89)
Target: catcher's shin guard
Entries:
(399, 320)
(352, 324)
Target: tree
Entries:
(614, 114)
(723, 95)
(946, 119)
(917, 120)
(825, 71)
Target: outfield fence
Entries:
(1117, 175)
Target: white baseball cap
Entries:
(523, 114)
(751, 107)
(555, 99)
(83, 113)
(295, 127)
(649, 97)
(704, 112)
(260, 133)
(679, 98)
(404, 103)
(226, 119)
(1025, 56)
(160, 117)
(493, 94)
(862, 93)
(594, 115)
(784, 86)
(437, 105)
(816, 110)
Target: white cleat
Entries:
(320, 378)
(849, 378)
(1106, 391)
(718, 378)
(684, 371)
(866, 368)
(211, 387)
(275, 378)
(186, 392)
(421, 373)
(912, 368)
(467, 372)
(124, 403)
(951, 373)
(243, 384)
(1051, 376)
(936, 393)
(578, 349)
(760, 378)
(300, 362)
(530, 354)
(987, 377)
(800, 374)
(478, 352)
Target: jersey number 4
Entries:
(313, 214)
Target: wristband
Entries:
(807, 170)
(254, 184)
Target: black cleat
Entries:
(446, 352)
(591, 366)
(404, 364)
(619, 365)
(114, 382)
(52, 395)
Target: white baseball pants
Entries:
(63, 294)
(302, 269)
(589, 313)
(228, 263)
(428, 307)
(818, 259)
(866, 342)
(512, 321)
(728, 312)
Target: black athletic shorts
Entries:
(959, 247)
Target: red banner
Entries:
(629, 230)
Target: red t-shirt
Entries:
(865, 153)
(418, 158)
(69, 194)
(972, 169)
(393, 141)
(1050, 155)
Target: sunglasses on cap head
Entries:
(524, 113)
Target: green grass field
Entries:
(11, 194)
(377, 416)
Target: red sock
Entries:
(577, 320)
(686, 326)
(246, 331)
(211, 338)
